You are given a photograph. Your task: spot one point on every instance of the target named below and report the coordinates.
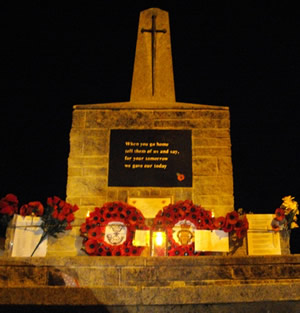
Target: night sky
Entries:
(244, 57)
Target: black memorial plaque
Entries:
(157, 158)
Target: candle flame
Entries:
(159, 238)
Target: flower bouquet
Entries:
(286, 215)
(56, 216)
(285, 221)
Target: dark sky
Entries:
(244, 57)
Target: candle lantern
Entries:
(158, 243)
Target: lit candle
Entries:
(159, 244)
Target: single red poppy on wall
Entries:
(180, 177)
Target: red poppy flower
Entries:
(208, 224)
(116, 251)
(180, 177)
(7, 209)
(219, 222)
(25, 210)
(159, 221)
(61, 216)
(241, 233)
(9, 204)
(238, 225)
(232, 217)
(37, 208)
(83, 228)
(68, 227)
(55, 213)
(95, 233)
(245, 222)
(178, 251)
(204, 213)
(228, 227)
(74, 208)
(10, 198)
(90, 246)
(66, 209)
(61, 203)
(53, 201)
(70, 218)
(279, 214)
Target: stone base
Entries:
(145, 284)
(265, 307)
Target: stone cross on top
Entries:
(153, 78)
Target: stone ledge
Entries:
(141, 282)
(148, 106)
(149, 261)
(54, 295)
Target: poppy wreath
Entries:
(185, 213)
(112, 214)
(173, 214)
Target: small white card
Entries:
(211, 240)
(26, 237)
(260, 221)
(261, 239)
(141, 238)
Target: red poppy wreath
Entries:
(109, 230)
(181, 220)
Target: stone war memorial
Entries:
(153, 230)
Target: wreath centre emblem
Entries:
(115, 233)
(183, 232)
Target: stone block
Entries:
(95, 201)
(74, 171)
(139, 275)
(135, 192)
(118, 119)
(89, 161)
(122, 195)
(213, 185)
(112, 194)
(224, 166)
(226, 200)
(95, 171)
(206, 166)
(182, 194)
(26, 276)
(95, 145)
(190, 114)
(211, 142)
(223, 123)
(78, 119)
(98, 276)
(143, 193)
(154, 192)
(74, 200)
(86, 186)
(184, 124)
(211, 133)
(206, 200)
(212, 151)
(76, 142)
